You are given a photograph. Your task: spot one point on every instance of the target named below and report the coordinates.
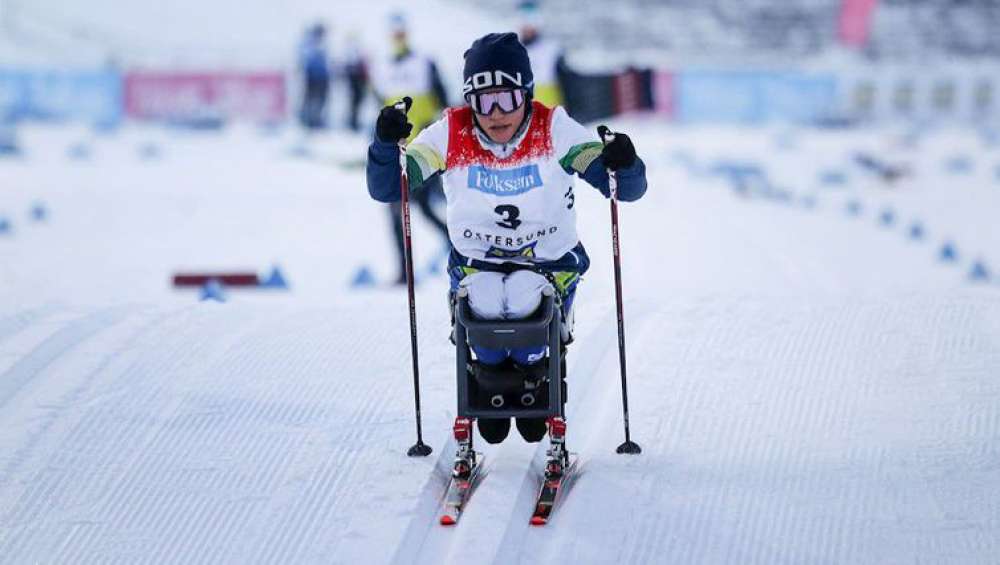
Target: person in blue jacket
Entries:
(314, 66)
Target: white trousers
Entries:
(499, 296)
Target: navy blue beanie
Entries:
(497, 60)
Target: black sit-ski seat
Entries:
(508, 390)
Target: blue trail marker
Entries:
(363, 278)
(213, 291)
(979, 272)
(275, 280)
(38, 212)
(887, 218)
(948, 252)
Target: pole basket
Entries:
(419, 449)
(629, 448)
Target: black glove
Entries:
(392, 125)
(619, 154)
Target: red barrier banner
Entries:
(855, 21)
(258, 96)
(663, 93)
(228, 279)
(628, 92)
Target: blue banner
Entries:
(94, 96)
(753, 97)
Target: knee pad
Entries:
(490, 356)
(523, 293)
(528, 355)
(486, 294)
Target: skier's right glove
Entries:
(392, 126)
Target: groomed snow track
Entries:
(807, 386)
(834, 431)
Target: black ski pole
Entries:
(419, 449)
(629, 446)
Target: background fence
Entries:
(742, 61)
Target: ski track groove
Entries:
(62, 341)
(699, 526)
(427, 507)
(326, 486)
(95, 429)
(14, 323)
(665, 527)
(330, 482)
(338, 476)
(63, 459)
(265, 409)
(320, 481)
(749, 451)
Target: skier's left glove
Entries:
(619, 153)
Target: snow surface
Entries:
(808, 385)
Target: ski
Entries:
(553, 485)
(559, 470)
(465, 474)
(460, 489)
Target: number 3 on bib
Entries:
(509, 216)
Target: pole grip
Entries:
(404, 104)
(606, 135)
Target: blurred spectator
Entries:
(547, 60)
(356, 70)
(408, 73)
(314, 64)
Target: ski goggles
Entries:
(507, 100)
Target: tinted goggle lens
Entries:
(506, 100)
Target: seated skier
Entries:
(507, 164)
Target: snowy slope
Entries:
(808, 387)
